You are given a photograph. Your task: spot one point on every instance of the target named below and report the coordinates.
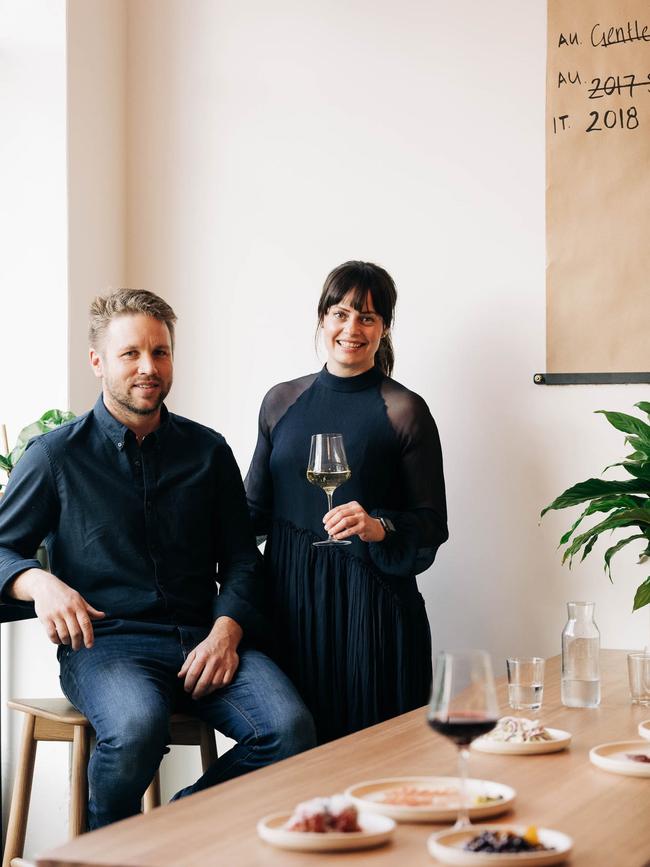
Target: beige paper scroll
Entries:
(598, 186)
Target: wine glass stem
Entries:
(328, 494)
(463, 815)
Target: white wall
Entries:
(265, 143)
(62, 221)
(270, 142)
(33, 277)
(97, 81)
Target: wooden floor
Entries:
(607, 815)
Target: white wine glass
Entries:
(463, 706)
(327, 469)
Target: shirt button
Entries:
(120, 445)
(137, 463)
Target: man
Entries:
(143, 512)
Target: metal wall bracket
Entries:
(590, 378)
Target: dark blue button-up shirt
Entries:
(144, 533)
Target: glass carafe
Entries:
(580, 657)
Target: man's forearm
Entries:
(225, 627)
(26, 585)
(64, 613)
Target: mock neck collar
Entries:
(350, 383)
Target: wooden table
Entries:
(607, 815)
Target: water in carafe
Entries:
(580, 657)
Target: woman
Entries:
(349, 623)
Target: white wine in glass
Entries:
(327, 469)
(463, 706)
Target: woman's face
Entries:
(351, 336)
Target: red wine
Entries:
(463, 729)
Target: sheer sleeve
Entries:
(421, 521)
(258, 481)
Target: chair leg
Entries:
(79, 781)
(21, 794)
(151, 798)
(209, 753)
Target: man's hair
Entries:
(127, 301)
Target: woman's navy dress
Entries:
(349, 624)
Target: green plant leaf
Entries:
(5, 463)
(32, 430)
(629, 424)
(638, 470)
(50, 420)
(611, 466)
(604, 504)
(645, 554)
(54, 418)
(587, 549)
(640, 447)
(642, 595)
(644, 406)
(570, 531)
(621, 518)
(592, 488)
(638, 456)
(623, 501)
(609, 553)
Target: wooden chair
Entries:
(55, 719)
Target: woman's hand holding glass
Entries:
(351, 519)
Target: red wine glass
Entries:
(463, 706)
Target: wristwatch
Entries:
(387, 524)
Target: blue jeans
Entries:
(127, 686)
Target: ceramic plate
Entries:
(447, 847)
(441, 807)
(613, 757)
(644, 729)
(561, 741)
(375, 830)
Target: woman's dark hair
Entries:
(357, 279)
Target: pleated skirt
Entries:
(357, 649)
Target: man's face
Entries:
(134, 361)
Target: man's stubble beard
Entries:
(122, 400)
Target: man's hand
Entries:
(214, 661)
(351, 519)
(64, 613)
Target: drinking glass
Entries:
(525, 682)
(463, 706)
(638, 668)
(327, 469)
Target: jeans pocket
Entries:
(62, 652)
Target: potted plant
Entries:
(50, 420)
(625, 502)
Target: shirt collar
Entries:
(118, 432)
(350, 383)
